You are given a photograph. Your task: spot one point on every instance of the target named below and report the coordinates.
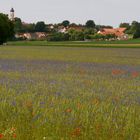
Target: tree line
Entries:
(89, 30)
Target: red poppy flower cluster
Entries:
(1, 136)
(134, 74)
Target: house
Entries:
(32, 36)
(62, 29)
(41, 35)
(19, 36)
(119, 32)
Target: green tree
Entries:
(28, 27)
(65, 23)
(136, 33)
(99, 27)
(125, 25)
(6, 28)
(134, 27)
(17, 25)
(76, 35)
(90, 24)
(40, 27)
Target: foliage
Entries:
(98, 36)
(66, 23)
(125, 25)
(134, 26)
(137, 34)
(40, 26)
(76, 35)
(28, 28)
(90, 24)
(58, 37)
(103, 37)
(98, 27)
(17, 25)
(110, 36)
(6, 28)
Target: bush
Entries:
(136, 34)
(97, 36)
(76, 35)
(58, 37)
(110, 36)
(103, 37)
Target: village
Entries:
(66, 31)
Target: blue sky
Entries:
(108, 12)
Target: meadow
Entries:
(69, 93)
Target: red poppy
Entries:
(14, 135)
(116, 72)
(76, 132)
(68, 110)
(1, 136)
(135, 74)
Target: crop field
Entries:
(69, 93)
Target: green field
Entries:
(133, 43)
(69, 93)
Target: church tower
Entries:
(12, 14)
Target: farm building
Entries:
(119, 32)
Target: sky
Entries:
(104, 12)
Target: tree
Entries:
(28, 27)
(40, 27)
(134, 27)
(17, 25)
(125, 25)
(90, 24)
(100, 27)
(136, 34)
(65, 23)
(6, 28)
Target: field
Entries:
(132, 43)
(69, 93)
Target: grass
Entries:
(133, 43)
(69, 93)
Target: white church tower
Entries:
(12, 14)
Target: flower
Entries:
(68, 110)
(135, 74)
(14, 135)
(13, 129)
(1, 136)
(76, 132)
(117, 72)
(96, 101)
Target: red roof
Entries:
(117, 31)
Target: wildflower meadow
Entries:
(69, 93)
